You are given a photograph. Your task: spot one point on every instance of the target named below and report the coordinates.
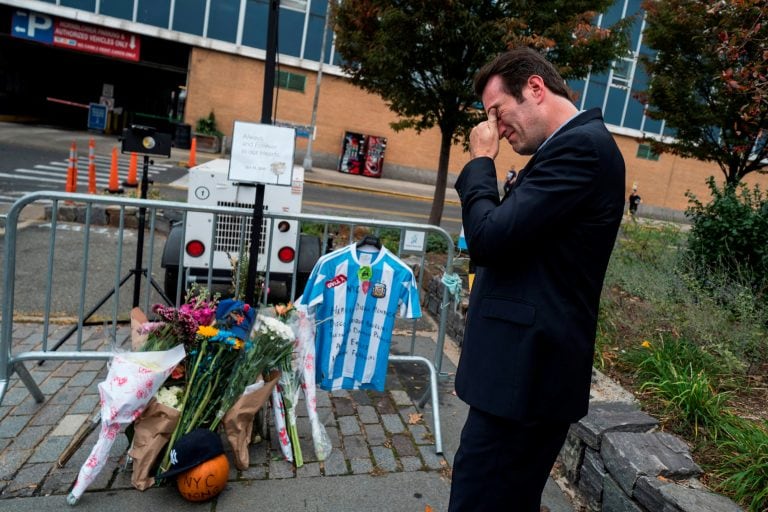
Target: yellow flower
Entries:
(646, 344)
(239, 344)
(207, 331)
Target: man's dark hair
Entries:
(515, 67)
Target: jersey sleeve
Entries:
(313, 291)
(409, 298)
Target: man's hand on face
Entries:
(484, 138)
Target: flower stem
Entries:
(177, 431)
(297, 456)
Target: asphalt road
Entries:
(74, 273)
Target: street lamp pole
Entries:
(269, 65)
(266, 118)
(308, 155)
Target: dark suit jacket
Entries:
(541, 254)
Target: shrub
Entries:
(731, 233)
(208, 125)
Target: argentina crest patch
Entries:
(379, 290)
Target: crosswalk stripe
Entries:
(54, 174)
(106, 170)
(80, 177)
(44, 179)
(30, 178)
(124, 165)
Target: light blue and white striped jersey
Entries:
(355, 295)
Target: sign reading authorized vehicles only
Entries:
(76, 36)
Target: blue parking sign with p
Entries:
(31, 25)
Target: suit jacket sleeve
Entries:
(548, 192)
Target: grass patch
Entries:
(693, 349)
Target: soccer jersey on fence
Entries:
(355, 295)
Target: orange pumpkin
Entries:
(205, 480)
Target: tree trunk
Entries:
(436, 214)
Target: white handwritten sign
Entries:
(262, 153)
(413, 241)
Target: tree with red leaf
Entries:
(708, 81)
(421, 56)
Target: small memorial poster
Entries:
(262, 153)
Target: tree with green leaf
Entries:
(421, 56)
(708, 80)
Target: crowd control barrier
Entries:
(80, 268)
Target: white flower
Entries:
(271, 325)
(170, 397)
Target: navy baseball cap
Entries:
(193, 449)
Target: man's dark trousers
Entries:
(512, 461)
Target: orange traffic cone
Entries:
(114, 186)
(193, 153)
(91, 166)
(131, 180)
(71, 185)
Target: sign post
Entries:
(261, 154)
(97, 117)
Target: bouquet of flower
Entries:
(252, 379)
(211, 360)
(297, 375)
(303, 325)
(155, 426)
(132, 380)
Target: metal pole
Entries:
(308, 156)
(138, 270)
(266, 118)
(269, 64)
(253, 254)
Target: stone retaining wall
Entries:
(614, 459)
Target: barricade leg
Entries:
(433, 391)
(26, 378)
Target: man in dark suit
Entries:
(541, 254)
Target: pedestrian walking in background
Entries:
(541, 253)
(634, 202)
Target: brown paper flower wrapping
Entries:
(238, 421)
(152, 430)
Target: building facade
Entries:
(167, 63)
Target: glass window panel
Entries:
(622, 73)
(634, 116)
(122, 9)
(644, 151)
(188, 16)
(652, 126)
(577, 86)
(614, 106)
(222, 23)
(290, 32)
(291, 81)
(154, 12)
(634, 8)
(595, 91)
(85, 5)
(255, 30)
(318, 8)
(613, 14)
(314, 35)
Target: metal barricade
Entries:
(90, 212)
